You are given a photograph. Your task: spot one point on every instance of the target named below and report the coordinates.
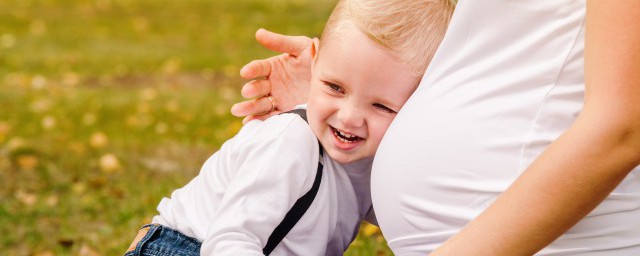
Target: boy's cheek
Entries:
(378, 132)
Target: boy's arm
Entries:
(271, 171)
(587, 162)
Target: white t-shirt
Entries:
(244, 190)
(507, 80)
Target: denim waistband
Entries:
(161, 241)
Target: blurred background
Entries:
(106, 106)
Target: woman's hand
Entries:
(278, 83)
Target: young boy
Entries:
(370, 61)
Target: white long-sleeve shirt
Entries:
(507, 80)
(244, 190)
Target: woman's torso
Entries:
(507, 80)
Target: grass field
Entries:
(106, 106)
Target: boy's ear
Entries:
(315, 46)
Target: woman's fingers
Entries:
(259, 106)
(277, 71)
(293, 45)
(260, 117)
(241, 109)
(256, 88)
(256, 69)
(248, 107)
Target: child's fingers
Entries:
(293, 45)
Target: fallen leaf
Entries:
(370, 230)
(38, 82)
(48, 122)
(45, 253)
(98, 140)
(4, 130)
(52, 200)
(27, 162)
(26, 198)
(85, 250)
(109, 163)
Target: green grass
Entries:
(106, 106)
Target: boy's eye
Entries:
(334, 87)
(384, 108)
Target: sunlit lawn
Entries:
(106, 106)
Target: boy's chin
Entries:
(343, 158)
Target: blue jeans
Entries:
(158, 240)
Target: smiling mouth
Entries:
(344, 136)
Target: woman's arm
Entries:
(581, 168)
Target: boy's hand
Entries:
(284, 78)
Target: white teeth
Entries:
(344, 137)
(348, 136)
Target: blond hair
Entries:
(411, 29)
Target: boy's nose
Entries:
(351, 116)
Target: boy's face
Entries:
(357, 87)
